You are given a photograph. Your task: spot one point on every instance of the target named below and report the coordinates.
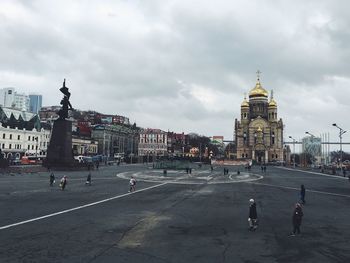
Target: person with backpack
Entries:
(253, 216)
(63, 182)
(132, 184)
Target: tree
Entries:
(336, 155)
(306, 159)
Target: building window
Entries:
(32, 147)
(10, 136)
(273, 138)
(10, 146)
(18, 137)
(3, 145)
(28, 138)
(3, 135)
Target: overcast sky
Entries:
(183, 65)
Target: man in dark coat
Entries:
(297, 217)
(52, 179)
(253, 216)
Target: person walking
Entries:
(88, 179)
(52, 179)
(132, 184)
(297, 218)
(302, 194)
(63, 182)
(253, 216)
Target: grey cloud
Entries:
(127, 57)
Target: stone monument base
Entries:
(59, 153)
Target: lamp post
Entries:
(36, 147)
(293, 150)
(341, 132)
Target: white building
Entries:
(153, 142)
(11, 99)
(7, 97)
(15, 143)
(22, 102)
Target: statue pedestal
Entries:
(59, 153)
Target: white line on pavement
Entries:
(298, 189)
(79, 207)
(328, 175)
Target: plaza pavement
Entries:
(200, 217)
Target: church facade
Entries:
(259, 132)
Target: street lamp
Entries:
(309, 133)
(341, 132)
(293, 150)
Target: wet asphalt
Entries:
(171, 222)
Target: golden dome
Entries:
(245, 103)
(258, 91)
(272, 103)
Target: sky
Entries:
(182, 65)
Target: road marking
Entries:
(79, 207)
(328, 175)
(206, 180)
(298, 189)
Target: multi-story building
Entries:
(18, 142)
(313, 146)
(35, 103)
(84, 146)
(259, 133)
(7, 97)
(21, 133)
(153, 142)
(21, 102)
(116, 140)
(177, 143)
(11, 99)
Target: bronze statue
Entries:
(63, 112)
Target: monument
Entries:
(59, 153)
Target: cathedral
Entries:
(259, 132)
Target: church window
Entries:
(273, 138)
(242, 155)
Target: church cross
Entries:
(258, 74)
